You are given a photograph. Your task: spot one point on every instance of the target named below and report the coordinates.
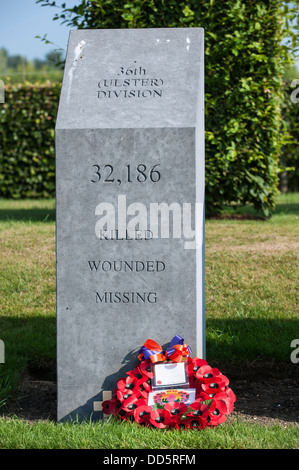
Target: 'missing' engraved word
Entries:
(126, 297)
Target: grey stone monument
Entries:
(130, 205)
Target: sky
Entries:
(22, 20)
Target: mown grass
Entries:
(251, 314)
(113, 434)
(27, 287)
(252, 284)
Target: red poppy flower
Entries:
(123, 395)
(229, 400)
(176, 410)
(131, 403)
(110, 406)
(206, 372)
(210, 396)
(143, 392)
(146, 368)
(205, 392)
(142, 413)
(144, 379)
(213, 385)
(128, 383)
(195, 422)
(225, 379)
(137, 374)
(197, 408)
(144, 386)
(122, 414)
(197, 415)
(217, 413)
(194, 364)
(217, 378)
(198, 389)
(159, 418)
(147, 385)
(231, 395)
(229, 404)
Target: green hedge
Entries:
(27, 152)
(244, 63)
(290, 152)
(244, 60)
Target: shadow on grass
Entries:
(288, 209)
(255, 351)
(49, 215)
(30, 340)
(28, 215)
(253, 354)
(249, 213)
(40, 214)
(249, 339)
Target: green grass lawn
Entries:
(252, 284)
(113, 434)
(251, 314)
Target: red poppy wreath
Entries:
(213, 398)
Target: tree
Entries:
(3, 60)
(16, 61)
(248, 45)
(54, 58)
(38, 63)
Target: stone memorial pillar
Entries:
(130, 204)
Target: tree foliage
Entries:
(248, 45)
(17, 68)
(290, 151)
(27, 154)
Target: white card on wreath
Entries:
(169, 374)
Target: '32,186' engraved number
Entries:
(141, 174)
